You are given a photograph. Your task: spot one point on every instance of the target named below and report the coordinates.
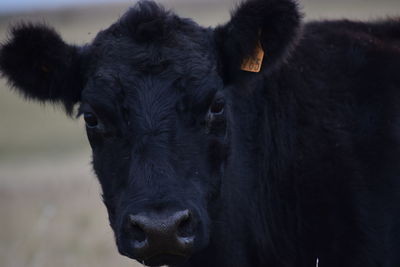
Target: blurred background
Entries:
(51, 213)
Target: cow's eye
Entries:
(217, 107)
(90, 119)
(215, 119)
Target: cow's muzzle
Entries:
(161, 240)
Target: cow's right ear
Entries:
(258, 38)
(38, 63)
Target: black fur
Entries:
(41, 66)
(301, 163)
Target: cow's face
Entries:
(159, 148)
(156, 119)
(153, 92)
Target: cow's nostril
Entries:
(136, 230)
(185, 225)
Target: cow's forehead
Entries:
(123, 61)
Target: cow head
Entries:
(153, 90)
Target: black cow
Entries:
(262, 142)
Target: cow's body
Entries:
(204, 164)
(320, 146)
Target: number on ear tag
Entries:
(254, 63)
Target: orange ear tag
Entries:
(254, 62)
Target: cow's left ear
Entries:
(38, 63)
(271, 27)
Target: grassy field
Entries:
(51, 213)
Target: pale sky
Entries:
(7, 6)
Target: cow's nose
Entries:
(162, 240)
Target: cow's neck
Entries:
(262, 157)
